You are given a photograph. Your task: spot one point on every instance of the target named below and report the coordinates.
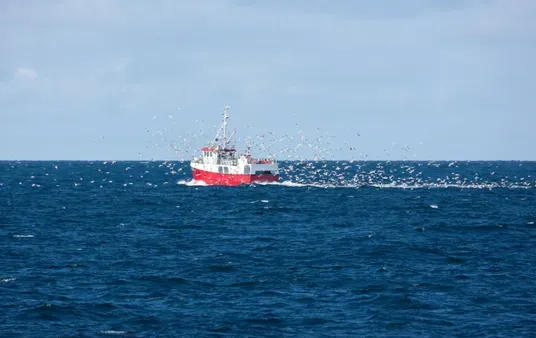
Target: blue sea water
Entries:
(135, 249)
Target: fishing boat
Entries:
(219, 164)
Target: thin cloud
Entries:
(28, 74)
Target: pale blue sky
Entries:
(445, 79)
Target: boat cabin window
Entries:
(220, 169)
(261, 172)
(226, 170)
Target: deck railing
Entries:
(234, 162)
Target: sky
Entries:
(387, 80)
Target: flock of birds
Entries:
(310, 161)
(323, 174)
(291, 146)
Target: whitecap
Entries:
(23, 236)
(114, 332)
(433, 206)
(295, 184)
(284, 183)
(192, 183)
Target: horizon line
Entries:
(278, 160)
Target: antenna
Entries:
(225, 117)
(224, 128)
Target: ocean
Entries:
(339, 248)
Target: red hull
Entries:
(211, 178)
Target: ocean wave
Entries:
(192, 183)
(395, 185)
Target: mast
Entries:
(225, 117)
(226, 140)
